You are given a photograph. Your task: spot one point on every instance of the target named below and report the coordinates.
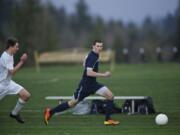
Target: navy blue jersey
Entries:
(91, 61)
(88, 85)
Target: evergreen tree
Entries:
(6, 10)
(33, 26)
(178, 30)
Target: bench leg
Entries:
(60, 101)
(132, 106)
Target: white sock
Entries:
(20, 103)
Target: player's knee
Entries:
(25, 95)
(110, 97)
(28, 95)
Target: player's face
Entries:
(98, 47)
(15, 48)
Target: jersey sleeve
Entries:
(7, 63)
(90, 61)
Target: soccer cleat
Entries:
(47, 115)
(111, 122)
(17, 118)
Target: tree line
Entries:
(41, 26)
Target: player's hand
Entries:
(107, 74)
(23, 57)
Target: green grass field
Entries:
(161, 81)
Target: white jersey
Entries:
(6, 64)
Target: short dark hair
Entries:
(11, 42)
(96, 41)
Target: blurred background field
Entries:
(161, 81)
(145, 63)
(47, 25)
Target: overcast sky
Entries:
(125, 10)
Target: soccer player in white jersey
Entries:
(7, 70)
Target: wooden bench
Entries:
(69, 56)
(132, 98)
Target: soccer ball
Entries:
(161, 119)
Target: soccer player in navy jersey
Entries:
(87, 86)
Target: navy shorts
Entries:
(85, 90)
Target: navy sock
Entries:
(108, 109)
(60, 108)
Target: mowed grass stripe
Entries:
(161, 81)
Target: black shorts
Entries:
(85, 90)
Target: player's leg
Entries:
(48, 113)
(78, 96)
(24, 96)
(14, 88)
(105, 92)
(3, 91)
(63, 106)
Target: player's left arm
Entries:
(92, 73)
(89, 65)
(19, 65)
